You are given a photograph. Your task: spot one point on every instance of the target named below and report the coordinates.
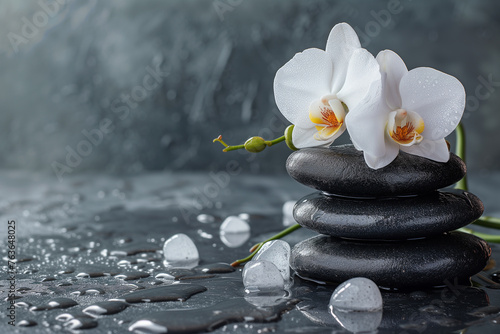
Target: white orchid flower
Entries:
(316, 88)
(416, 111)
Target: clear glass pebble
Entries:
(262, 276)
(234, 231)
(179, 251)
(357, 294)
(278, 253)
(234, 224)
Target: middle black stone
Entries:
(388, 218)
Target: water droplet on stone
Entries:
(105, 308)
(147, 326)
(262, 276)
(175, 292)
(88, 291)
(179, 251)
(215, 268)
(26, 323)
(357, 294)
(56, 303)
(165, 277)
(48, 279)
(66, 271)
(23, 304)
(80, 323)
(133, 275)
(90, 275)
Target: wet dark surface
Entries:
(87, 244)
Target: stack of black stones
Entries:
(392, 225)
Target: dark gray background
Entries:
(69, 73)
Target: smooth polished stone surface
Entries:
(402, 264)
(342, 170)
(388, 218)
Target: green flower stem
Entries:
(275, 141)
(258, 246)
(491, 222)
(485, 221)
(255, 144)
(484, 236)
(460, 151)
(233, 148)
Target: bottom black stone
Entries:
(454, 256)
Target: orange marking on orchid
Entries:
(329, 117)
(404, 134)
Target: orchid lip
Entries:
(405, 127)
(328, 114)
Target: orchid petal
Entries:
(305, 78)
(434, 150)
(392, 68)
(366, 123)
(437, 97)
(376, 162)
(363, 70)
(302, 138)
(341, 44)
(329, 133)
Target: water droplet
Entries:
(165, 277)
(174, 292)
(80, 323)
(205, 219)
(105, 308)
(26, 323)
(59, 303)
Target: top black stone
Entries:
(342, 170)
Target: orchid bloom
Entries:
(416, 110)
(316, 88)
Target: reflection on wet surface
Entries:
(89, 258)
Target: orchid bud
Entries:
(255, 144)
(288, 138)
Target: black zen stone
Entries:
(455, 256)
(388, 218)
(342, 170)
